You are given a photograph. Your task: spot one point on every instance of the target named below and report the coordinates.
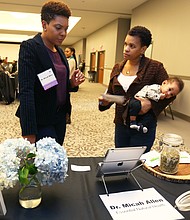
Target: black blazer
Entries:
(37, 106)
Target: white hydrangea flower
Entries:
(12, 150)
(51, 161)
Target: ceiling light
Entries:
(17, 38)
(20, 21)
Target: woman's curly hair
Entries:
(143, 33)
(51, 9)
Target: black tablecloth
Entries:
(78, 197)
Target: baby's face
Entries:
(169, 89)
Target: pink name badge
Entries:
(47, 79)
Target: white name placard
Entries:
(3, 209)
(135, 205)
(47, 79)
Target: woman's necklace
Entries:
(130, 70)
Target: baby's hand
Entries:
(162, 96)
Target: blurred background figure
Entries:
(5, 65)
(71, 57)
(14, 66)
(82, 66)
(1, 67)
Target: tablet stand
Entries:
(103, 175)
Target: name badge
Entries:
(47, 79)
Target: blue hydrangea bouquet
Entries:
(46, 160)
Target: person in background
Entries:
(126, 79)
(71, 57)
(45, 103)
(1, 67)
(82, 66)
(5, 65)
(169, 88)
(14, 66)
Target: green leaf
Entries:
(32, 169)
(23, 176)
(31, 155)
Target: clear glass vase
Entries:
(30, 194)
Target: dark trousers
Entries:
(126, 137)
(57, 130)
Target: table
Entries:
(78, 197)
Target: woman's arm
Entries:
(27, 76)
(159, 76)
(146, 105)
(103, 104)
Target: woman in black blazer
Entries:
(44, 83)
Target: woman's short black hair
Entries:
(143, 33)
(51, 9)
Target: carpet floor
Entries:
(90, 133)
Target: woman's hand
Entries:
(77, 78)
(30, 138)
(145, 105)
(102, 101)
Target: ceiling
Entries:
(94, 14)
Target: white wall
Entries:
(182, 103)
(168, 21)
(9, 50)
(110, 39)
(103, 39)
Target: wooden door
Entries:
(92, 61)
(101, 58)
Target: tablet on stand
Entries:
(120, 161)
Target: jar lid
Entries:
(172, 139)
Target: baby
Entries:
(169, 88)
